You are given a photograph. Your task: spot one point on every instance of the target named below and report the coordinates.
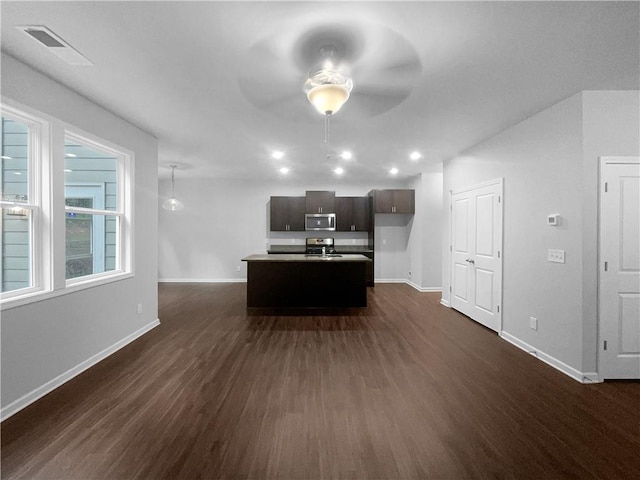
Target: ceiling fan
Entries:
(370, 65)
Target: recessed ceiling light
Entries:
(346, 155)
(70, 155)
(284, 170)
(277, 155)
(393, 171)
(338, 171)
(6, 157)
(415, 156)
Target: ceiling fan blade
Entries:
(370, 103)
(269, 77)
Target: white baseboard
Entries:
(423, 289)
(408, 282)
(202, 280)
(26, 400)
(445, 303)
(582, 377)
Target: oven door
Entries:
(320, 221)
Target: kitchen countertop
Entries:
(296, 257)
(298, 249)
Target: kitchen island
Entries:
(306, 281)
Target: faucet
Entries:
(324, 251)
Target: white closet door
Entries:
(619, 312)
(476, 245)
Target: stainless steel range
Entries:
(319, 246)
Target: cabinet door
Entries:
(394, 201)
(320, 201)
(287, 214)
(404, 201)
(383, 201)
(360, 214)
(344, 209)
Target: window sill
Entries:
(76, 286)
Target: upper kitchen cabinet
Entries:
(394, 201)
(287, 214)
(320, 201)
(352, 214)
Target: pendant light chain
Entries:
(173, 179)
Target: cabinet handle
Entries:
(319, 209)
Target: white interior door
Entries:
(476, 258)
(619, 278)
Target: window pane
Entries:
(88, 170)
(91, 244)
(15, 148)
(16, 248)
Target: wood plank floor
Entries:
(403, 389)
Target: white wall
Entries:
(549, 165)
(611, 127)
(226, 220)
(45, 339)
(425, 235)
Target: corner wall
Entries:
(549, 163)
(540, 161)
(611, 127)
(47, 341)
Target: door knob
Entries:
(470, 260)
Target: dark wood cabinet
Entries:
(352, 214)
(287, 214)
(394, 201)
(322, 201)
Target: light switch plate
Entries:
(555, 256)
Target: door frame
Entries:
(500, 182)
(601, 164)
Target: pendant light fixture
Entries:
(172, 203)
(327, 88)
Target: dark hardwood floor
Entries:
(403, 389)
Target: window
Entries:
(89, 205)
(20, 204)
(93, 208)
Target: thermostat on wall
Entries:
(553, 219)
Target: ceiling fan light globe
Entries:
(172, 204)
(328, 98)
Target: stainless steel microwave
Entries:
(320, 221)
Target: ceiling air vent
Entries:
(55, 44)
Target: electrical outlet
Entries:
(238, 268)
(139, 309)
(409, 274)
(533, 323)
(384, 241)
(555, 256)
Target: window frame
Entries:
(123, 174)
(47, 184)
(38, 183)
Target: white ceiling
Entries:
(220, 83)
